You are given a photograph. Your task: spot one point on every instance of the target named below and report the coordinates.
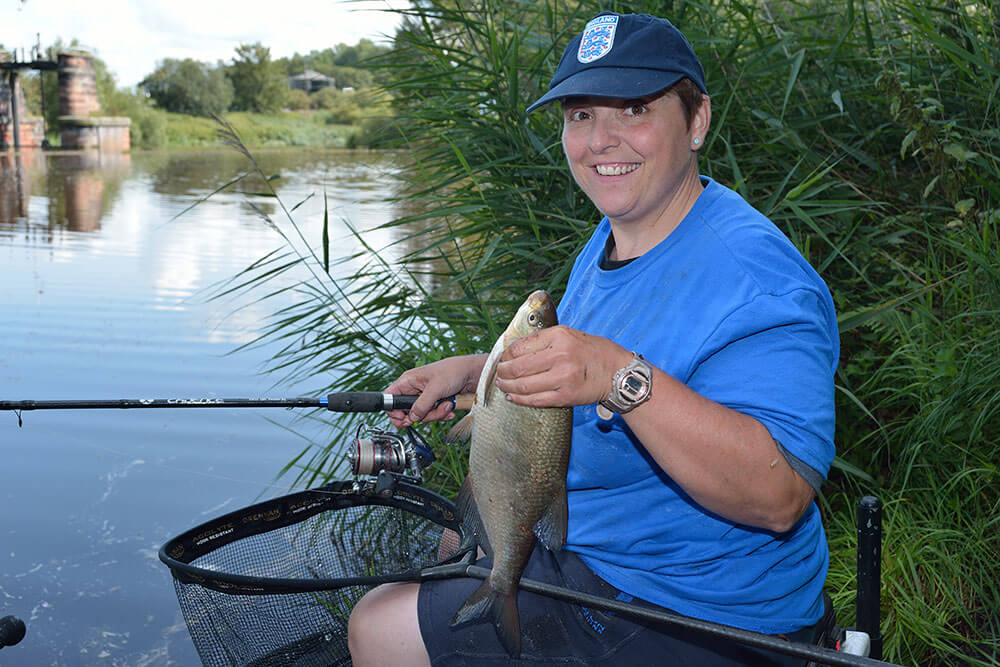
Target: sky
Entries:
(131, 36)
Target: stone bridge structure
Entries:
(81, 125)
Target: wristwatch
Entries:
(631, 386)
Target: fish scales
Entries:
(517, 476)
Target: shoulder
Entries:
(750, 246)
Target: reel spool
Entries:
(374, 450)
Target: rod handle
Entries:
(373, 401)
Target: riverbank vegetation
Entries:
(174, 105)
(868, 132)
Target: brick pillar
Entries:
(80, 126)
(77, 85)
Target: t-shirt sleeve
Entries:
(774, 359)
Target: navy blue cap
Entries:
(623, 56)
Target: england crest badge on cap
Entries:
(598, 38)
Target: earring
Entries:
(697, 141)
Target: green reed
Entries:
(868, 131)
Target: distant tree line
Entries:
(253, 81)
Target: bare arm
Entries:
(725, 460)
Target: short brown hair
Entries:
(690, 96)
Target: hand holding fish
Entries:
(434, 381)
(559, 367)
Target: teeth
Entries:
(615, 169)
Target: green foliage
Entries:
(347, 64)
(259, 84)
(342, 108)
(298, 100)
(257, 130)
(868, 134)
(190, 87)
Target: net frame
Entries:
(252, 591)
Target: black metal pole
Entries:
(805, 651)
(870, 570)
(45, 125)
(15, 113)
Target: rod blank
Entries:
(348, 401)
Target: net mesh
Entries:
(274, 584)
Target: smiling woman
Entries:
(697, 348)
(637, 161)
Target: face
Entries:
(635, 159)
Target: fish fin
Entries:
(500, 608)
(489, 373)
(461, 432)
(551, 527)
(467, 510)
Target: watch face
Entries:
(633, 385)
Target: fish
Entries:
(515, 490)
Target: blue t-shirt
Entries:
(728, 306)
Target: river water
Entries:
(104, 294)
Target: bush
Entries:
(297, 100)
(189, 87)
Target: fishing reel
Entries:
(374, 451)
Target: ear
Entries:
(700, 123)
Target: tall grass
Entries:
(868, 131)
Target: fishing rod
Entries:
(347, 401)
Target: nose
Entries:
(603, 134)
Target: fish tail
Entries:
(501, 608)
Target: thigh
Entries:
(383, 629)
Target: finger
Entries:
(529, 383)
(530, 344)
(433, 404)
(542, 399)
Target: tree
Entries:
(258, 82)
(188, 86)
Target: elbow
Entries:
(782, 521)
(785, 516)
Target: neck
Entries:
(636, 237)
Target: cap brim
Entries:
(615, 82)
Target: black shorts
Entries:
(570, 634)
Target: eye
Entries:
(532, 317)
(636, 108)
(576, 115)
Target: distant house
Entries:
(310, 81)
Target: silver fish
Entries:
(517, 478)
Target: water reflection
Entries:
(49, 196)
(14, 186)
(104, 294)
(75, 189)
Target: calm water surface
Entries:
(102, 296)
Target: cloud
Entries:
(131, 36)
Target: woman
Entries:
(698, 348)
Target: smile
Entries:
(616, 169)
